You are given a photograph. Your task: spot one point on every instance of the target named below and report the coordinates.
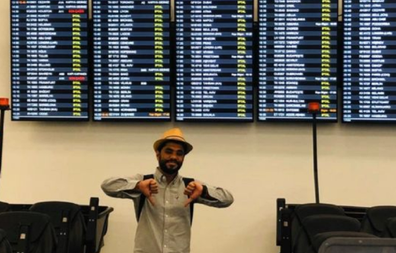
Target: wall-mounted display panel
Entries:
(49, 59)
(131, 60)
(214, 60)
(369, 72)
(297, 59)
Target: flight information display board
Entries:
(131, 60)
(369, 85)
(297, 59)
(49, 61)
(214, 65)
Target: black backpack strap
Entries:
(142, 197)
(186, 181)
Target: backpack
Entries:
(186, 181)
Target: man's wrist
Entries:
(137, 186)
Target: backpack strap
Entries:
(186, 181)
(142, 197)
(142, 200)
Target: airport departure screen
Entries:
(214, 65)
(297, 59)
(49, 62)
(131, 60)
(369, 78)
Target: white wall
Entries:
(258, 162)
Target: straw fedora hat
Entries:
(174, 134)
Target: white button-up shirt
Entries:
(165, 226)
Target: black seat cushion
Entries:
(321, 237)
(390, 228)
(303, 211)
(5, 246)
(68, 215)
(306, 210)
(316, 224)
(40, 233)
(376, 218)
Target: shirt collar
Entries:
(159, 177)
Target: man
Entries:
(165, 215)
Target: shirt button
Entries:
(167, 202)
(166, 230)
(164, 246)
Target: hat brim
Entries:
(159, 143)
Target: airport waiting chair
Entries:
(68, 222)
(29, 232)
(5, 246)
(317, 228)
(305, 210)
(376, 219)
(320, 238)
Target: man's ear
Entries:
(157, 154)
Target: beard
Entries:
(168, 169)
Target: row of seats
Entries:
(46, 227)
(313, 224)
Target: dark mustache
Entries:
(173, 161)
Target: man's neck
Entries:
(169, 177)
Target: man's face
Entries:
(171, 157)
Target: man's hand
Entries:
(193, 191)
(148, 187)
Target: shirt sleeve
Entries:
(122, 187)
(216, 197)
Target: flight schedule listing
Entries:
(214, 65)
(131, 59)
(297, 59)
(369, 77)
(49, 62)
